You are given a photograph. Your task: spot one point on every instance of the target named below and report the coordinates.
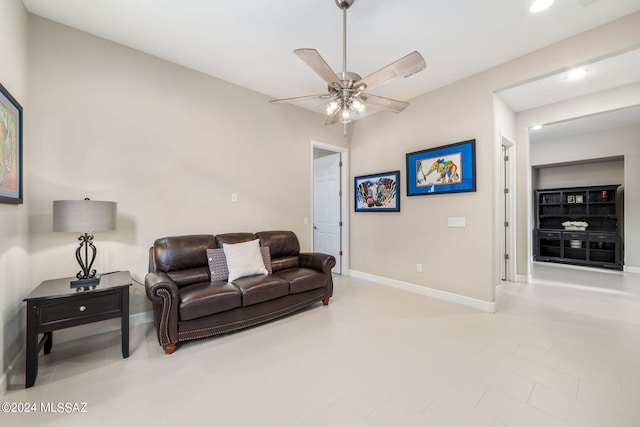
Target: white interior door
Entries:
(326, 207)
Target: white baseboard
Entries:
(520, 278)
(600, 270)
(487, 306)
(134, 319)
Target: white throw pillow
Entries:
(244, 259)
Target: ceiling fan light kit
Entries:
(540, 5)
(346, 97)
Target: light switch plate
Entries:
(457, 222)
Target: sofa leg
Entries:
(325, 301)
(169, 348)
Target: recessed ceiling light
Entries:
(540, 5)
(576, 73)
(536, 127)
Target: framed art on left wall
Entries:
(10, 148)
(377, 192)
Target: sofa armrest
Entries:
(164, 294)
(318, 261)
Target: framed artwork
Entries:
(571, 199)
(10, 148)
(447, 169)
(579, 198)
(377, 192)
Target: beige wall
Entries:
(14, 244)
(169, 144)
(390, 245)
(461, 260)
(580, 175)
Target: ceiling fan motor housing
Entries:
(344, 4)
(349, 78)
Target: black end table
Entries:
(55, 305)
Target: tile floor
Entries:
(553, 355)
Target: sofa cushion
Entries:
(218, 263)
(281, 243)
(244, 259)
(284, 247)
(256, 289)
(221, 239)
(203, 299)
(189, 276)
(184, 258)
(302, 279)
(283, 263)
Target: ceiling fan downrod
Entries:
(344, 5)
(345, 104)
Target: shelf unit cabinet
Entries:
(599, 245)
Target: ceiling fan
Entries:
(346, 95)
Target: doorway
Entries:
(329, 203)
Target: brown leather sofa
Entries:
(188, 305)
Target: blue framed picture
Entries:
(377, 192)
(10, 148)
(447, 169)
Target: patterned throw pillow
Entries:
(218, 263)
(266, 257)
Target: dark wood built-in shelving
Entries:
(600, 245)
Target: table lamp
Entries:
(84, 216)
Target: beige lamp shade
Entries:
(84, 216)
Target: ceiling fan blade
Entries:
(312, 58)
(298, 98)
(384, 103)
(403, 67)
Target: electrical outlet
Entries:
(419, 268)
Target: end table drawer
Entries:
(79, 308)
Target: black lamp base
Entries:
(86, 277)
(85, 283)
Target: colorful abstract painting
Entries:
(446, 169)
(10, 148)
(377, 192)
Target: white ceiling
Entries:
(250, 43)
(616, 71)
(587, 124)
(613, 72)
